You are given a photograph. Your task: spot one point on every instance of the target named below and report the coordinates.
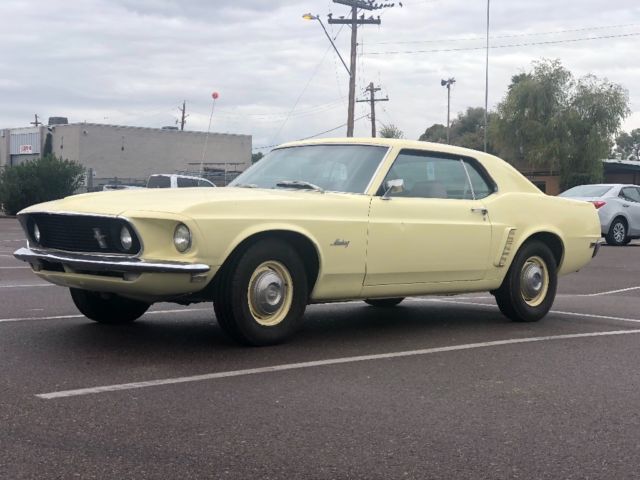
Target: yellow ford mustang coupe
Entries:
(312, 222)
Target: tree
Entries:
(436, 133)
(548, 120)
(40, 180)
(256, 157)
(390, 131)
(466, 130)
(628, 145)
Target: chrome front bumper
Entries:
(106, 263)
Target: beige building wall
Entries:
(134, 152)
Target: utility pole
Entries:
(183, 117)
(486, 84)
(37, 122)
(372, 100)
(353, 22)
(448, 83)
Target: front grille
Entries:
(80, 233)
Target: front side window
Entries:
(426, 175)
(338, 168)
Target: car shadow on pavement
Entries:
(328, 330)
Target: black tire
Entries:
(384, 302)
(515, 300)
(617, 235)
(627, 241)
(107, 307)
(268, 275)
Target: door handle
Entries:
(625, 205)
(483, 210)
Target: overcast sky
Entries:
(133, 62)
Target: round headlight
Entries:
(125, 238)
(36, 233)
(182, 238)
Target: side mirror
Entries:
(393, 186)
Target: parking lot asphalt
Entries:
(438, 387)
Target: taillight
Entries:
(598, 203)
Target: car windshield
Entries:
(587, 191)
(337, 168)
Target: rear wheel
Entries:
(262, 294)
(529, 289)
(107, 307)
(383, 302)
(617, 235)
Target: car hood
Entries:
(170, 200)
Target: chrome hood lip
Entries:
(110, 263)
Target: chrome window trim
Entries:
(473, 194)
(482, 171)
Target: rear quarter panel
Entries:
(575, 223)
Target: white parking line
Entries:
(29, 285)
(320, 363)
(557, 312)
(607, 292)
(60, 317)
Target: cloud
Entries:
(134, 61)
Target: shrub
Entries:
(40, 180)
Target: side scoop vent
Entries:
(509, 236)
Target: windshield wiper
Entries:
(246, 185)
(301, 184)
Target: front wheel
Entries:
(617, 235)
(529, 289)
(262, 294)
(383, 302)
(107, 307)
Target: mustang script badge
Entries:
(340, 243)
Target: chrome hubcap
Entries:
(534, 281)
(270, 293)
(618, 232)
(531, 280)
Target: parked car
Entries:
(618, 207)
(314, 222)
(172, 180)
(118, 186)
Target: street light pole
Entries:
(308, 16)
(448, 83)
(486, 84)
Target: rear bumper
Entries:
(100, 263)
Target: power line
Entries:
(312, 136)
(515, 35)
(512, 45)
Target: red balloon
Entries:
(215, 95)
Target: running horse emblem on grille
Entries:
(100, 237)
